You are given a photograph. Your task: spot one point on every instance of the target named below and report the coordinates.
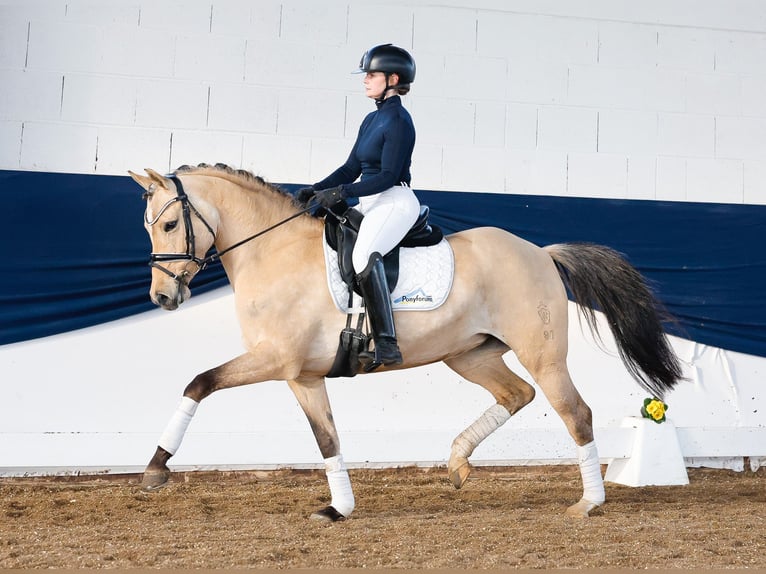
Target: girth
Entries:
(341, 232)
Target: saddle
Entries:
(341, 231)
(342, 228)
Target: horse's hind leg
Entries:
(555, 382)
(484, 366)
(312, 396)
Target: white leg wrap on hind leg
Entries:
(590, 470)
(340, 485)
(179, 422)
(492, 419)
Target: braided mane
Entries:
(230, 173)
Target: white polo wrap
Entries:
(179, 422)
(340, 485)
(590, 470)
(492, 419)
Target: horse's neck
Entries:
(243, 213)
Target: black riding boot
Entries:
(377, 301)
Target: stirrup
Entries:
(391, 355)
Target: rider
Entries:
(381, 155)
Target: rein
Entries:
(188, 208)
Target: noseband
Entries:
(187, 208)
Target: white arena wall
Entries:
(658, 100)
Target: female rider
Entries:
(381, 159)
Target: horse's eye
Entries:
(170, 225)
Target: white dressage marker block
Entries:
(656, 458)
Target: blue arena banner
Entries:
(76, 252)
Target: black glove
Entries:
(304, 195)
(328, 198)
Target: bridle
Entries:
(155, 259)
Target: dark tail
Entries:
(600, 279)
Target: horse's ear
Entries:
(141, 180)
(145, 182)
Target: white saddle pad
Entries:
(425, 279)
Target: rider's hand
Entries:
(328, 198)
(304, 195)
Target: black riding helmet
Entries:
(389, 59)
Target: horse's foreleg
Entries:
(312, 396)
(239, 371)
(485, 366)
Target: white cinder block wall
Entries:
(660, 99)
(655, 100)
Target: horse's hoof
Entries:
(459, 473)
(581, 509)
(154, 479)
(327, 514)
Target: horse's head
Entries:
(180, 236)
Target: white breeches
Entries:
(388, 216)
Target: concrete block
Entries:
(487, 77)
(10, 144)
(754, 96)
(209, 57)
(656, 458)
(739, 53)
(685, 135)
(671, 179)
(740, 138)
(314, 22)
(277, 158)
(627, 45)
(372, 24)
(124, 148)
(642, 177)
(427, 166)
(171, 104)
(521, 126)
(30, 95)
(535, 82)
(183, 17)
(755, 182)
(135, 51)
(714, 180)
(444, 121)
(571, 129)
(536, 37)
(99, 99)
(58, 147)
(489, 127)
(246, 19)
(431, 78)
(627, 132)
(690, 49)
(714, 94)
(194, 147)
(444, 30)
(13, 43)
(239, 107)
(651, 90)
(357, 108)
(597, 175)
(333, 67)
(536, 172)
(102, 13)
(325, 115)
(474, 168)
(279, 63)
(66, 47)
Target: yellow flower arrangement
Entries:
(654, 409)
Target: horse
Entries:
(507, 294)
